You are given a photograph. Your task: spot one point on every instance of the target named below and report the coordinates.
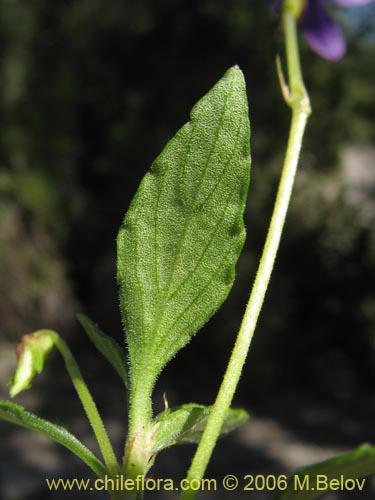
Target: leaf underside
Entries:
(15, 414)
(183, 232)
(186, 423)
(356, 464)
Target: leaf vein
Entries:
(192, 271)
(160, 353)
(163, 300)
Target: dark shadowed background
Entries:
(90, 92)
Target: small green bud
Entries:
(32, 353)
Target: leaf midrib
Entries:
(192, 271)
(197, 297)
(150, 351)
(161, 340)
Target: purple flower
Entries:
(321, 32)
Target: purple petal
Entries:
(321, 33)
(350, 3)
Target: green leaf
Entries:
(107, 346)
(17, 415)
(186, 423)
(183, 232)
(354, 465)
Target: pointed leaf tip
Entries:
(183, 232)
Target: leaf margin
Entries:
(191, 426)
(106, 345)
(144, 372)
(16, 414)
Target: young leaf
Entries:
(183, 232)
(32, 353)
(186, 423)
(107, 346)
(354, 465)
(17, 415)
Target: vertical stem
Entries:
(297, 87)
(89, 406)
(140, 406)
(240, 350)
(299, 97)
(300, 105)
(137, 451)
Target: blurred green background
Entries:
(90, 92)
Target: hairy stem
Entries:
(137, 452)
(299, 102)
